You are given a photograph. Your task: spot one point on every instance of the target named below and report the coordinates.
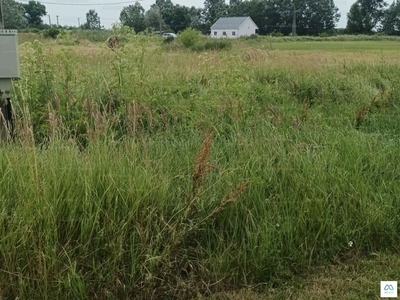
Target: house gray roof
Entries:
(228, 23)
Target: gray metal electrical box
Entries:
(9, 59)
(9, 70)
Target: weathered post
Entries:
(9, 70)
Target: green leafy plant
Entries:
(169, 40)
(213, 44)
(52, 33)
(65, 38)
(189, 37)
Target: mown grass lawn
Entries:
(366, 47)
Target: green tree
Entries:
(172, 14)
(316, 17)
(133, 16)
(365, 16)
(213, 10)
(34, 11)
(258, 11)
(14, 15)
(196, 20)
(179, 17)
(153, 19)
(312, 17)
(391, 19)
(166, 6)
(355, 23)
(92, 20)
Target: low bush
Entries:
(169, 40)
(51, 33)
(189, 37)
(65, 38)
(277, 34)
(213, 44)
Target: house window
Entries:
(215, 33)
(233, 33)
(224, 33)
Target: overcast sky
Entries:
(69, 14)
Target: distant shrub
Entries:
(277, 33)
(65, 38)
(171, 47)
(169, 40)
(213, 44)
(189, 37)
(323, 34)
(94, 36)
(51, 33)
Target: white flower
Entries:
(351, 244)
(277, 225)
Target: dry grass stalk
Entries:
(200, 164)
(129, 122)
(71, 99)
(201, 169)
(305, 109)
(296, 122)
(52, 120)
(27, 131)
(164, 117)
(149, 113)
(89, 107)
(133, 115)
(57, 102)
(4, 132)
(232, 198)
(203, 80)
(362, 112)
(137, 114)
(277, 116)
(253, 55)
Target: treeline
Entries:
(272, 16)
(280, 17)
(30, 15)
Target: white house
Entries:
(233, 27)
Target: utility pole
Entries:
(57, 20)
(49, 21)
(79, 22)
(1, 15)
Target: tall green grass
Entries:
(143, 174)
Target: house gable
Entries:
(249, 20)
(233, 27)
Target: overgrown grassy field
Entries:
(156, 172)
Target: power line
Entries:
(88, 4)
